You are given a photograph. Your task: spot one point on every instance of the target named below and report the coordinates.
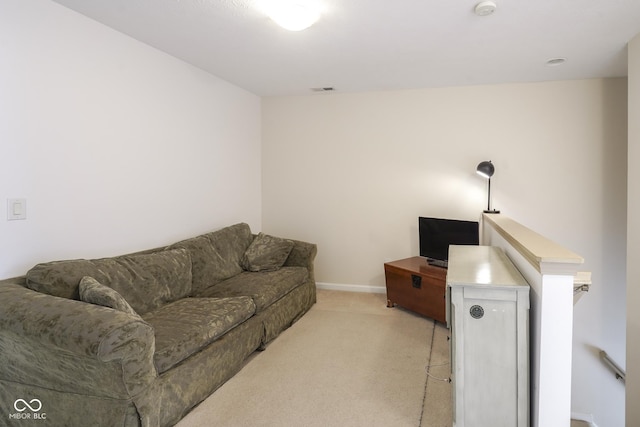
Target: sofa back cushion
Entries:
(216, 256)
(231, 243)
(145, 281)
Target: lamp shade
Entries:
(485, 169)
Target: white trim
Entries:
(545, 255)
(352, 288)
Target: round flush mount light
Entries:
(293, 15)
(553, 62)
(485, 8)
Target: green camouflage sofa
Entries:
(140, 339)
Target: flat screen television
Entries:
(436, 234)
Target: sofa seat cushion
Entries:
(184, 327)
(265, 287)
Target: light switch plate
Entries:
(16, 209)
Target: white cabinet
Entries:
(488, 313)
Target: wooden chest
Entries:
(417, 286)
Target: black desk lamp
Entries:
(486, 170)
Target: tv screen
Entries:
(436, 234)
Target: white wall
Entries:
(116, 146)
(633, 236)
(352, 172)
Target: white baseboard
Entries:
(352, 288)
(588, 418)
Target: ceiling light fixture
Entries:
(485, 8)
(292, 15)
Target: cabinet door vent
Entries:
(476, 312)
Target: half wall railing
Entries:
(551, 271)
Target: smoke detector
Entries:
(556, 61)
(485, 8)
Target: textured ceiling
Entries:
(368, 45)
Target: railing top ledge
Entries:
(545, 255)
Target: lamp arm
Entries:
(489, 194)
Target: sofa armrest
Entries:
(302, 255)
(72, 345)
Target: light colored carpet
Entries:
(350, 361)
